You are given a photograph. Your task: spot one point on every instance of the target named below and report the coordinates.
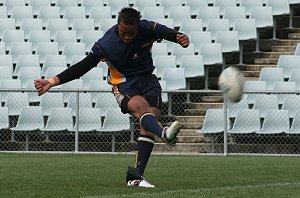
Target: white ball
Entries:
(231, 81)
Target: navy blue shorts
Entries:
(143, 85)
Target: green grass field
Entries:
(91, 176)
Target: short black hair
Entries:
(129, 16)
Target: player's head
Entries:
(128, 21)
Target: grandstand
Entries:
(40, 38)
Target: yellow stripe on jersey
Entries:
(115, 77)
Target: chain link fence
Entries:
(91, 121)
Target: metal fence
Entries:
(91, 121)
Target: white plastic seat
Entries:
(6, 73)
(55, 25)
(15, 102)
(213, 122)
(223, 4)
(234, 13)
(3, 12)
(252, 86)
(63, 4)
(153, 12)
(20, 48)
(229, 41)
(82, 25)
(29, 25)
(2, 48)
(271, 75)
(167, 22)
(295, 127)
(288, 63)
(292, 104)
(64, 36)
(276, 121)
(10, 4)
(98, 85)
(246, 121)
(216, 25)
(53, 71)
(44, 49)
(265, 103)
(105, 101)
(99, 13)
(9, 84)
(115, 121)
(297, 50)
(85, 101)
(6, 60)
(279, 7)
(48, 12)
(29, 74)
(10, 36)
(141, 4)
(30, 119)
(178, 51)
(295, 77)
(72, 48)
(167, 4)
(117, 5)
(21, 12)
(163, 85)
(72, 85)
(198, 38)
(234, 107)
(37, 4)
(188, 26)
(51, 100)
(250, 4)
(212, 53)
(60, 119)
(94, 74)
(4, 118)
(90, 4)
(89, 37)
(106, 24)
(159, 49)
(179, 13)
(208, 13)
(284, 87)
(175, 78)
(26, 61)
(72, 13)
(36, 36)
(89, 120)
(163, 62)
(32, 96)
(193, 66)
(195, 5)
(6, 24)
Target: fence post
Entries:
(77, 121)
(225, 125)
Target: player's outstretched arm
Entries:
(174, 36)
(183, 40)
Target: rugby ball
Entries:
(231, 82)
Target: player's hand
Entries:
(183, 40)
(42, 86)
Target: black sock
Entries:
(145, 145)
(149, 123)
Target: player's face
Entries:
(127, 32)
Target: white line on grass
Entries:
(198, 190)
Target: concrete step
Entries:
(189, 132)
(212, 99)
(193, 139)
(266, 61)
(253, 67)
(284, 49)
(205, 105)
(294, 36)
(191, 125)
(190, 118)
(267, 44)
(197, 112)
(183, 148)
(271, 54)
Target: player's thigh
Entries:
(137, 106)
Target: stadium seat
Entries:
(106, 24)
(179, 13)
(153, 12)
(115, 121)
(3, 12)
(195, 5)
(9, 84)
(223, 4)
(51, 100)
(117, 5)
(163, 62)
(105, 101)
(175, 78)
(30, 119)
(276, 121)
(6, 73)
(288, 63)
(73, 13)
(2, 48)
(90, 4)
(64, 36)
(20, 48)
(45, 49)
(229, 41)
(297, 50)
(53, 71)
(72, 85)
(250, 4)
(11, 36)
(234, 13)
(63, 4)
(21, 12)
(167, 4)
(76, 59)
(37, 4)
(71, 49)
(82, 25)
(98, 85)
(89, 120)
(15, 102)
(89, 37)
(188, 26)
(253, 86)
(178, 51)
(234, 107)
(246, 121)
(265, 103)
(104, 66)
(271, 75)
(32, 96)
(212, 53)
(6, 60)
(99, 13)
(85, 101)
(29, 25)
(167, 22)
(10, 4)
(295, 77)
(55, 25)
(292, 104)
(48, 12)
(26, 61)
(284, 87)
(4, 118)
(141, 4)
(60, 119)
(94, 74)
(159, 49)
(208, 13)
(193, 65)
(216, 25)
(6, 24)
(198, 38)
(295, 127)
(29, 74)
(164, 96)
(213, 122)
(36, 36)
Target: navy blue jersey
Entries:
(127, 60)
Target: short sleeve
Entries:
(152, 28)
(96, 49)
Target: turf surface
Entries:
(92, 176)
